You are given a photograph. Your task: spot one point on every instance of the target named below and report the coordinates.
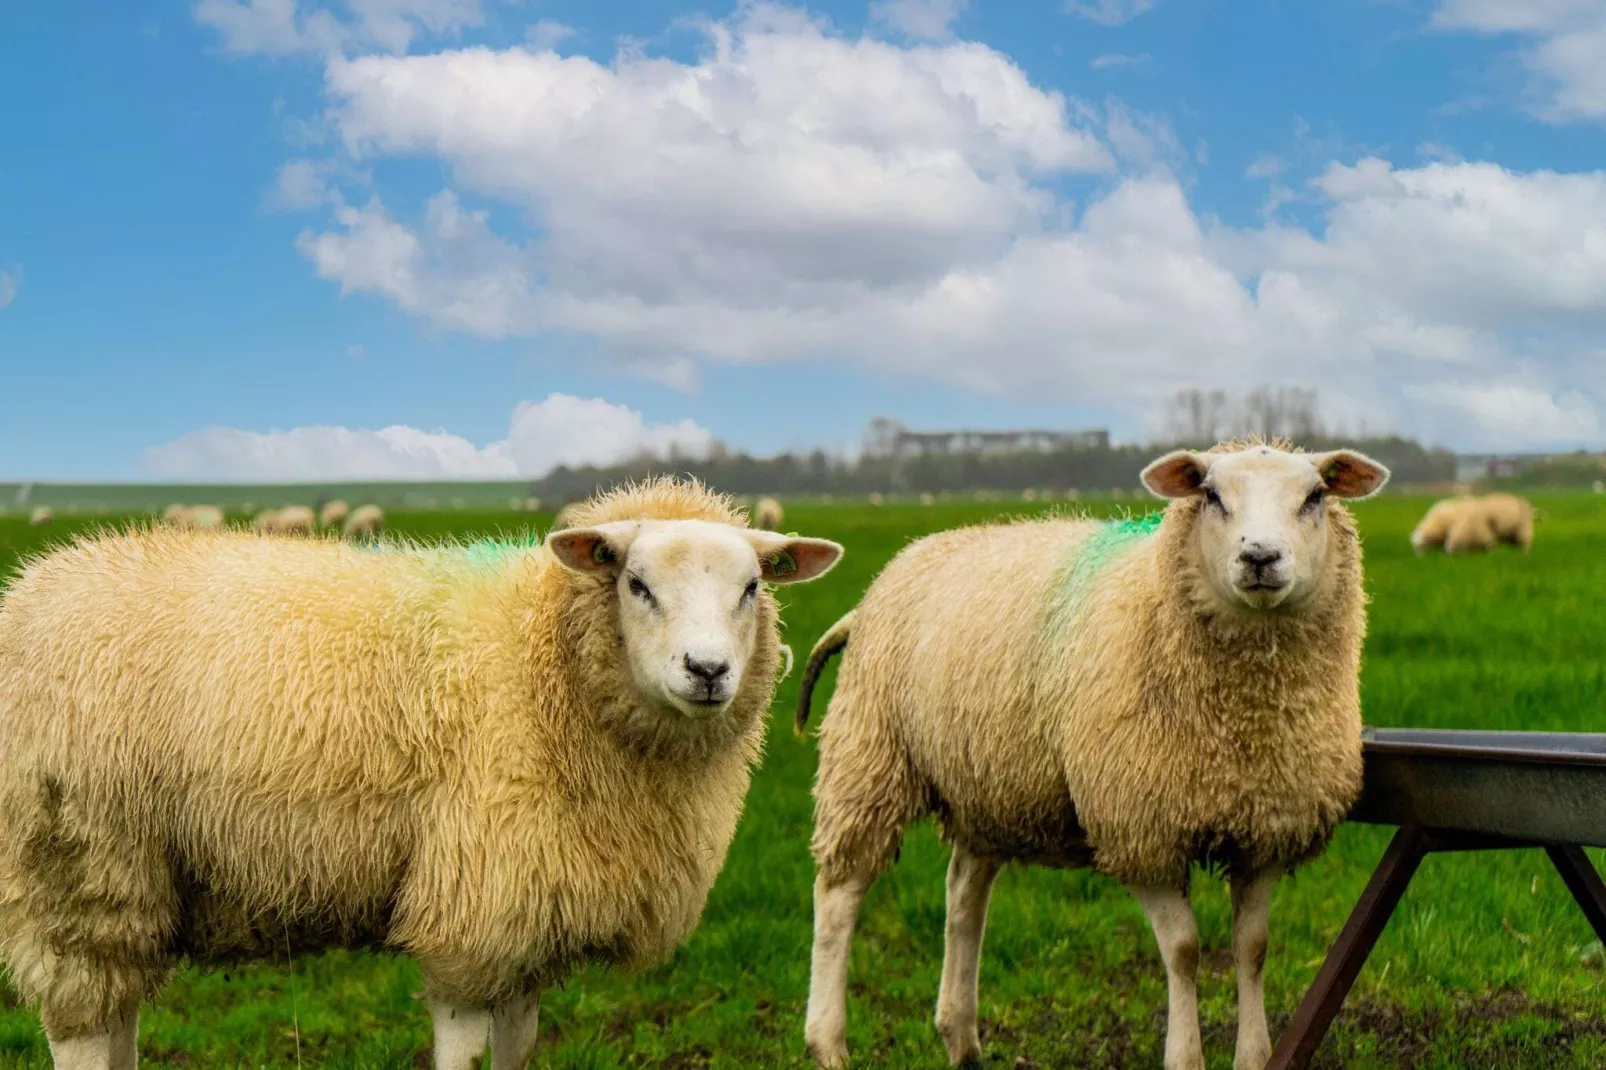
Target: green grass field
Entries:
(1487, 964)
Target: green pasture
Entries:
(1487, 963)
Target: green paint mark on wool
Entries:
(1108, 542)
(492, 552)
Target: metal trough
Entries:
(1451, 790)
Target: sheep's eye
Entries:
(639, 589)
(1212, 498)
(750, 590)
(1314, 498)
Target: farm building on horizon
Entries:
(885, 437)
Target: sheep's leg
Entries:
(514, 1026)
(1177, 933)
(461, 1034)
(970, 884)
(1251, 908)
(108, 1048)
(836, 915)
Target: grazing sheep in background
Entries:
(532, 505)
(505, 760)
(333, 514)
(928, 498)
(41, 515)
(1136, 695)
(1511, 518)
(876, 499)
(768, 515)
(201, 518)
(1474, 524)
(297, 520)
(1434, 527)
(266, 522)
(174, 515)
(365, 522)
(1028, 495)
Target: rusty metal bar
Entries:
(1579, 874)
(1348, 954)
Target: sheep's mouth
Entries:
(1268, 588)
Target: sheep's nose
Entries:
(1259, 556)
(707, 670)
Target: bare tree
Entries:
(1198, 417)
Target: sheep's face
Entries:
(687, 598)
(1262, 526)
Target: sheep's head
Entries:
(687, 595)
(1262, 526)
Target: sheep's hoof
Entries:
(828, 1053)
(964, 1045)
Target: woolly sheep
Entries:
(297, 520)
(876, 498)
(200, 518)
(505, 760)
(334, 513)
(266, 522)
(41, 515)
(768, 515)
(174, 514)
(365, 521)
(1471, 524)
(1136, 695)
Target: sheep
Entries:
(1472, 524)
(334, 513)
(1434, 527)
(928, 499)
(297, 520)
(175, 514)
(194, 517)
(507, 760)
(365, 521)
(1136, 695)
(1511, 518)
(266, 522)
(876, 499)
(768, 515)
(41, 515)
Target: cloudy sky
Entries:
(282, 239)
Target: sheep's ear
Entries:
(1349, 474)
(1177, 475)
(597, 549)
(788, 559)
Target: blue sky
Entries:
(265, 239)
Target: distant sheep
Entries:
(1473, 524)
(333, 514)
(1137, 695)
(266, 522)
(202, 518)
(297, 520)
(365, 521)
(506, 760)
(175, 515)
(876, 499)
(41, 515)
(768, 515)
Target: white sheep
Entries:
(768, 515)
(507, 760)
(41, 515)
(365, 522)
(1138, 695)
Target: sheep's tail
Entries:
(830, 644)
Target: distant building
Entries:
(889, 438)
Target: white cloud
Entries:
(9, 285)
(1108, 12)
(547, 34)
(923, 20)
(1512, 415)
(1566, 50)
(283, 27)
(796, 195)
(1112, 60)
(541, 436)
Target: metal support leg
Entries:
(1348, 954)
(1581, 879)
